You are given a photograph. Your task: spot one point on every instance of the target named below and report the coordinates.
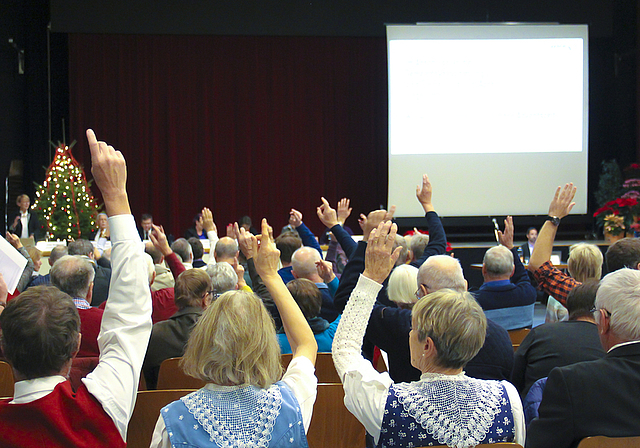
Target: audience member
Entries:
(445, 406)
(234, 349)
(182, 248)
(287, 244)
(624, 253)
(56, 253)
(223, 278)
(197, 230)
(164, 277)
(401, 288)
(74, 275)
(102, 277)
(309, 298)
(303, 262)
(560, 343)
(146, 223)
(27, 274)
(417, 244)
(597, 397)
(506, 295)
(168, 338)
(41, 334)
(527, 248)
(25, 223)
(197, 249)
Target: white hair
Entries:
(498, 261)
(223, 277)
(619, 294)
(442, 271)
(402, 284)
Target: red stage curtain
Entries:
(243, 125)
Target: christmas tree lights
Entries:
(64, 203)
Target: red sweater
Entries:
(61, 419)
(90, 320)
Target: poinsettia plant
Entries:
(617, 215)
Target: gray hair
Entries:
(498, 261)
(226, 248)
(401, 242)
(455, 323)
(223, 277)
(442, 271)
(417, 244)
(73, 274)
(402, 284)
(182, 248)
(619, 293)
(304, 260)
(80, 247)
(56, 253)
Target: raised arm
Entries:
(212, 232)
(266, 258)
(306, 235)
(126, 323)
(159, 240)
(560, 206)
(329, 217)
(437, 238)
(27, 273)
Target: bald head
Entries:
(439, 272)
(303, 262)
(73, 274)
(226, 250)
(497, 264)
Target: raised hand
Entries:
(230, 231)
(207, 221)
(375, 218)
(266, 255)
(380, 257)
(295, 218)
(506, 238)
(343, 210)
(159, 240)
(424, 193)
(327, 215)
(245, 240)
(561, 204)
(325, 271)
(239, 272)
(14, 240)
(362, 221)
(110, 173)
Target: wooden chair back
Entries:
(325, 370)
(6, 380)
(487, 445)
(146, 413)
(171, 376)
(610, 442)
(332, 425)
(517, 336)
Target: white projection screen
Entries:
(495, 114)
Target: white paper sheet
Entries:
(12, 264)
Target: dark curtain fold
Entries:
(243, 125)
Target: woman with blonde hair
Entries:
(233, 347)
(444, 407)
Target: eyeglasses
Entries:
(419, 294)
(595, 310)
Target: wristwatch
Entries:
(554, 220)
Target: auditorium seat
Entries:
(171, 376)
(325, 370)
(146, 413)
(610, 442)
(6, 380)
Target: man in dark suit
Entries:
(102, 278)
(527, 248)
(598, 397)
(507, 296)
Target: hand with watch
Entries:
(561, 204)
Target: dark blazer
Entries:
(554, 345)
(526, 254)
(33, 225)
(168, 339)
(100, 285)
(589, 399)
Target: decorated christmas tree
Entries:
(64, 203)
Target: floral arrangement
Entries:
(617, 215)
(614, 224)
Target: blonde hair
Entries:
(234, 343)
(34, 253)
(455, 323)
(403, 284)
(585, 262)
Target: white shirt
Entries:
(124, 333)
(366, 389)
(299, 377)
(24, 219)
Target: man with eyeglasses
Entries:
(598, 397)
